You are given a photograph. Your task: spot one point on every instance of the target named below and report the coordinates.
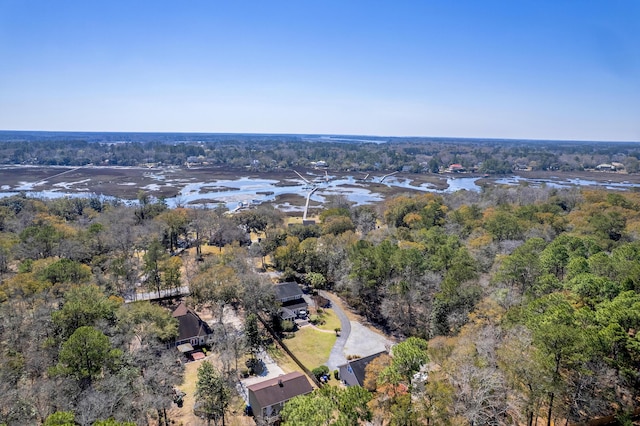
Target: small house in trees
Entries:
(292, 300)
(606, 167)
(267, 398)
(192, 329)
(456, 168)
(352, 373)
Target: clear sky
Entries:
(540, 69)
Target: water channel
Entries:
(246, 191)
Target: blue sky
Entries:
(561, 69)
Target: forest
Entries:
(276, 152)
(515, 305)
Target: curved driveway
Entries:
(337, 356)
(356, 339)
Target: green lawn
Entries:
(331, 320)
(283, 360)
(312, 347)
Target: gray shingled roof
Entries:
(287, 314)
(295, 304)
(359, 365)
(288, 291)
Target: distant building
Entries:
(456, 168)
(618, 166)
(195, 159)
(267, 398)
(352, 373)
(606, 167)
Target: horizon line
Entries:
(477, 138)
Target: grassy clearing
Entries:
(298, 219)
(184, 416)
(331, 320)
(282, 359)
(207, 250)
(312, 347)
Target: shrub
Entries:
(288, 326)
(323, 370)
(316, 320)
(255, 366)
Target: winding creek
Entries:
(248, 190)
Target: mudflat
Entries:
(126, 182)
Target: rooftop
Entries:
(189, 323)
(280, 389)
(359, 365)
(287, 291)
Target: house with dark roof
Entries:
(352, 373)
(191, 328)
(292, 300)
(267, 398)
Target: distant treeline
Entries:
(269, 152)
